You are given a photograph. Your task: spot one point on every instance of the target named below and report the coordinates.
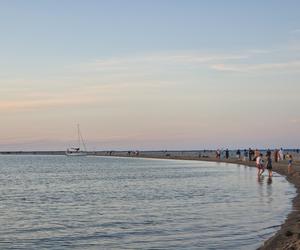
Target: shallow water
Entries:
(58, 202)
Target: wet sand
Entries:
(288, 237)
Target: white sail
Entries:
(77, 151)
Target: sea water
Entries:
(59, 202)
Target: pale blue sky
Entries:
(150, 74)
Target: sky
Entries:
(149, 75)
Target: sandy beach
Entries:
(288, 237)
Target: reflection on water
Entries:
(270, 180)
(260, 179)
(56, 202)
(264, 179)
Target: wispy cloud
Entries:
(254, 60)
(41, 103)
(30, 100)
(259, 51)
(156, 60)
(109, 93)
(225, 67)
(284, 66)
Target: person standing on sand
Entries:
(250, 154)
(280, 154)
(290, 162)
(269, 165)
(245, 154)
(238, 154)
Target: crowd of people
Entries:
(262, 162)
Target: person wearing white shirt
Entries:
(280, 154)
(259, 165)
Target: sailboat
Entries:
(77, 151)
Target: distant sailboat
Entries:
(77, 151)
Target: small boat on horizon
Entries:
(77, 151)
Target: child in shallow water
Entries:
(259, 164)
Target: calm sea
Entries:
(59, 202)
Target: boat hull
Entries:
(76, 153)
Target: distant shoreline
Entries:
(32, 152)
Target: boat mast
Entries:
(80, 138)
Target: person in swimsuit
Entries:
(290, 162)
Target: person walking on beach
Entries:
(227, 153)
(276, 155)
(259, 165)
(280, 154)
(269, 165)
(245, 154)
(250, 154)
(218, 154)
(290, 162)
(268, 153)
(238, 154)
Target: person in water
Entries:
(269, 165)
(290, 162)
(256, 154)
(259, 165)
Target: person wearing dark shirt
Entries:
(227, 153)
(269, 165)
(238, 154)
(245, 154)
(250, 154)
